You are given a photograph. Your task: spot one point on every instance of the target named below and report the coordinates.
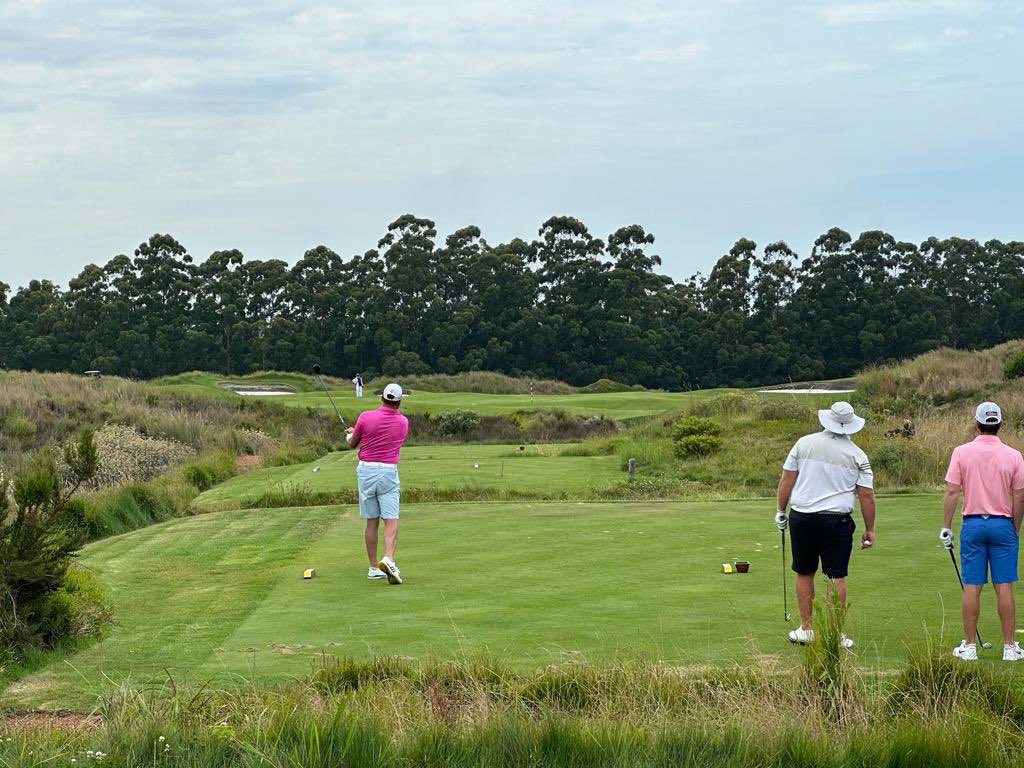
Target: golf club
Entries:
(316, 372)
(785, 603)
(957, 569)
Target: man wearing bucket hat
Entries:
(379, 435)
(823, 475)
(990, 474)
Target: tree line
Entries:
(565, 305)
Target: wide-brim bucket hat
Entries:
(841, 419)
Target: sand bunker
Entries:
(257, 390)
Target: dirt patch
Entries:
(249, 463)
(49, 721)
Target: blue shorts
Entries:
(988, 542)
(379, 490)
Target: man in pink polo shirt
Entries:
(990, 474)
(379, 435)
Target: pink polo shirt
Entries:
(381, 433)
(987, 470)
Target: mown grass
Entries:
(220, 597)
(434, 472)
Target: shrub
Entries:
(78, 608)
(695, 425)
(210, 470)
(41, 529)
(1013, 368)
(126, 456)
(457, 422)
(20, 429)
(695, 446)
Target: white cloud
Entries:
(683, 54)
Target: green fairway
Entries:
(617, 405)
(220, 597)
(538, 469)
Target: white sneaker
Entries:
(968, 652)
(845, 642)
(387, 565)
(1012, 652)
(801, 636)
(376, 573)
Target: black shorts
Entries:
(821, 536)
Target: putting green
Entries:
(537, 469)
(220, 597)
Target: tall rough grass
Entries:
(395, 712)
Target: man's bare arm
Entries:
(1018, 508)
(866, 496)
(949, 504)
(786, 483)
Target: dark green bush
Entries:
(1013, 368)
(695, 446)
(457, 422)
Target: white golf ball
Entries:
(316, 469)
(868, 543)
(476, 466)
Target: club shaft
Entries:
(956, 568)
(785, 599)
(327, 392)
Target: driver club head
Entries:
(316, 369)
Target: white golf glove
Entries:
(780, 520)
(946, 537)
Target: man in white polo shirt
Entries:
(823, 475)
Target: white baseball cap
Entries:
(841, 419)
(988, 413)
(392, 393)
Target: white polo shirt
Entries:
(831, 466)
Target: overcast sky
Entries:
(273, 127)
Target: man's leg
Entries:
(1007, 611)
(370, 536)
(805, 598)
(839, 585)
(970, 608)
(390, 538)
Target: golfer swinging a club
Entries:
(379, 435)
(821, 477)
(989, 473)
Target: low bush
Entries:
(127, 456)
(696, 446)
(689, 426)
(1013, 368)
(211, 469)
(457, 423)
(76, 609)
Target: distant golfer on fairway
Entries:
(358, 381)
(989, 473)
(822, 475)
(379, 435)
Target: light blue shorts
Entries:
(379, 490)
